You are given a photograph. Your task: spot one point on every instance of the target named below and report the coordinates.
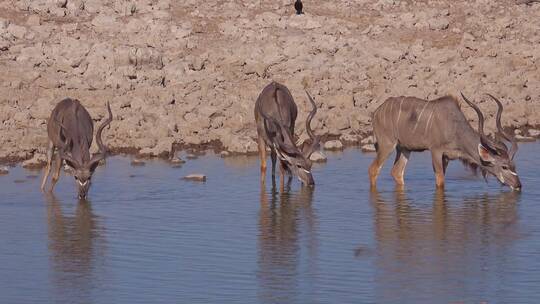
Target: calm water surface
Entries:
(146, 236)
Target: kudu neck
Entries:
(471, 139)
(81, 151)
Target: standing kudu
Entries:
(275, 116)
(70, 129)
(412, 124)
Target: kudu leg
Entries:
(50, 152)
(402, 156)
(281, 176)
(262, 156)
(445, 163)
(438, 167)
(273, 156)
(383, 151)
(56, 172)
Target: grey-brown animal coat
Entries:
(411, 124)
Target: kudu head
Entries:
(296, 159)
(495, 157)
(83, 169)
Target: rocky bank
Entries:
(188, 72)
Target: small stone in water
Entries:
(191, 156)
(224, 153)
(4, 170)
(177, 162)
(36, 162)
(318, 157)
(369, 148)
(196, 177)
(137, 162)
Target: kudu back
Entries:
(409, 124)
(70, 130)
(275, 116)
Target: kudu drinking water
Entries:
(412, 124)
(275, 116)
(70, 129)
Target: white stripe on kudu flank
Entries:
(429, 121)
(384, 113)
(419, 116)
(399, 115)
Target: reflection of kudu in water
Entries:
(75, 242)
(421, 246)
(282, 220)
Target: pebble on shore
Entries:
(369, 148)
(191, 156)
(333, 145)
(177, 162)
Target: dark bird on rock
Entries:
(298, 6)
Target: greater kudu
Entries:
(70, 129)
(275, 116)
(412, 124)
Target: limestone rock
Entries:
(534, 132)
(4, 170)
(368, 148)
(318, 157)
(36, 162)
(16, 30)
(136, 162)
(191, 156)
(176, 161)
(368, 140)
(333, 145)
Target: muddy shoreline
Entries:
(197, 150)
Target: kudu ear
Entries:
(71, 164)
(485, 154)
(308, 148)
(70, 161)
(284, 140)
(93, 166)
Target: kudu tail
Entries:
(277, 104)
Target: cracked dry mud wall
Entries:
(190, 71)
